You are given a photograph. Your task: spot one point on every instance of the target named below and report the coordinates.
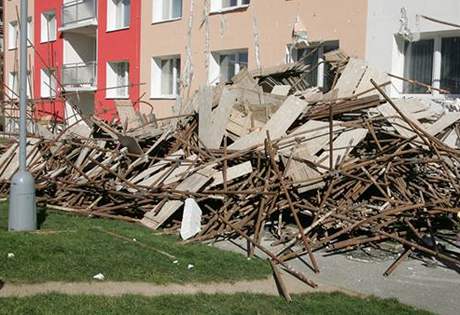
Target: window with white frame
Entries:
(220, 5)
(432, 61)
(118, 14)
(13, 32)
(48, 27)
(319, 73)
(48, 83)
(224, 65)
(29, 32)
(117, 79)
(165, 77)
(13, 85)
(164, 10)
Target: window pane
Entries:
(176, 9)
(52, 27)
(243, 60)
(177, 78)
(166, 9)
(418, 65)
(167, 77)
(450, 67)
(227, 67)
(309, 57)
(120, 71)
(126, 12)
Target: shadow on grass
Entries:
(42, 215)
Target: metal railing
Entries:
(79, 74)
(77, 11)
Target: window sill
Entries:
(12, 48)
(231, 9)
(163, 97)
(48, 41)
(111, 30)
(117, 97)
(166, 21)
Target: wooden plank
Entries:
(204, 98)
(392, 116)
(355, 78)
(130, 143)
(315, 134)
(233, 172)
(447, 120)
(281, 90)
(452, 139)
(193, 183)
(350, 78)
(343, 145)
(157, 166)
(127, 115)
(277, 126)
(220, 117)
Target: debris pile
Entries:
(333, 171)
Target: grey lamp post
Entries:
(22, 208)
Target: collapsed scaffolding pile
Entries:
(334, 170)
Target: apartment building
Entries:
(156, 53)
(216, 38)
(84, 52)
(401, 41)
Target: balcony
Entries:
(79, 76)
(79, 14)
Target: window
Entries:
(29, 32)
(433, 61)
(48, 27)
(117, 79)
(220, 5)
(48, 83)
(450, 65)
(164, 10)
(225, 65)
(118, 14)
(13, 85)
(320, 73)
(418, 65)
(165, 77)
(13, 35)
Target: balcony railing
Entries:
(78, 11)
(79, 75)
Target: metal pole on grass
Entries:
(22, 209)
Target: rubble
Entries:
(346, 168)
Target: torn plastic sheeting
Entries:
(191, 219)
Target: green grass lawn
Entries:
(318, 303)
(72, 248)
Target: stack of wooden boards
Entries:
(347, 168)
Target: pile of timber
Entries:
(268, 153)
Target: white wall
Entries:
(384, 23)
(79, 48)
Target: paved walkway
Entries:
(432, 288)
(106, 288)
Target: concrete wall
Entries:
(325, 20)
(384, 49)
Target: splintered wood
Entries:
(269, 154)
